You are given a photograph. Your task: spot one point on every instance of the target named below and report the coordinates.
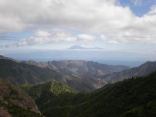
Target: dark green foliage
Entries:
(134, 97)
(54, 87)
(17, 111)
(53, 97)
(120, 97)
(147, 110)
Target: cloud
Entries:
(50, 36)
(85, 37)
(137, 2)
(47, 36)
(82, 15)
(113, 42)
(100, 17)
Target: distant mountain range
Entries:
(74, 73)
(142, 70)
(112, 57)
(108, 73)
(80, 47)
(21, 73)
(79, 68)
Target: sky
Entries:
(120, 26)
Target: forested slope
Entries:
(134, 97)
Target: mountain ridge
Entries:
(21, 73)
(79, 67)
(142, 70)
(133, 97)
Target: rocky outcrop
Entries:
(11, 95)
(79, 67)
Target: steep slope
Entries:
(7, 58)
(21, 73)
(15, 102)
(134, 97)
(142, 70)
(54, 87)
(79, 67)
(49, 94)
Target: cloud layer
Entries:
(106, 18)
(51, 36)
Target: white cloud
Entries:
(137, 2)
(50, 36)
(89, 15)
(113, 42)
(103, 37)
(101, 17)
(47, 36)
(42, 33)
(85, 37)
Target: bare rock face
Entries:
(11, 94)
(79, 67)
(21, 73)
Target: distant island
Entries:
(80, 47)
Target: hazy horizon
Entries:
(116, 31)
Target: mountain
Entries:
(79, 67)
(54, 87)
(7, 58)
(53, 94)
(77, 47)
(142, 70)
(134, 97)
(80, 47)
(47, 93)
(21, 73)
(14, 102)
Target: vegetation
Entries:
(17, 111)
(134, 97)
(54, 94)
(21, 73)
(15, 102)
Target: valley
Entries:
(77, 58)
(77, 88)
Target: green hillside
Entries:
(134, 97)
(50, 94)
(54, 87)
(131, 97)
